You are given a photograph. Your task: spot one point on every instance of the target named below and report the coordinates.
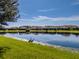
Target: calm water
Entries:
(53, 39)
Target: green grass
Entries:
(15, 49)
(41, 31)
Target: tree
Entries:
(8, 11)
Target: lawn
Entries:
(16, 49)
(39, 31)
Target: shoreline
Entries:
(45, 44)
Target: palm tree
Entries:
(8, 11)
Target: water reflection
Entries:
(2, 33)
(61, 39)
(63, 34)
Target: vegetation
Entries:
(39, 31)
(15, 49)
(8, 11)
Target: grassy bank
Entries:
(40, 31)
(15, 49)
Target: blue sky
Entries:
(48, 12)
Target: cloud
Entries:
(76, 2)
(44, 20)
(71, 18)
(47, 10)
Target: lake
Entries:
(65, 40)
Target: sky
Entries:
(47, 12)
